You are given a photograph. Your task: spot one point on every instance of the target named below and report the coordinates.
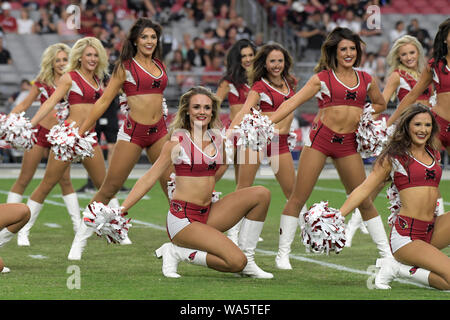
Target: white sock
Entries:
(441, 209)
(5, 236)
(193, 256)
(14, 197)
(378, 234)
(417, 275)
(71, 201)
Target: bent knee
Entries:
(262, 193)
(238, 263)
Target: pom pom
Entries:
(16, 129)
(371, 134)
(323, 229)
(165, 108)
(62, 111)
(107, 221)
(68, 145)
(292, 140)
(395, 203)
(123, 103)
(255, 130)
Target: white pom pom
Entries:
(371, 134)
(62, 111)
(68, 145)
(107, 221)
(292, 140)
(255, 130)
(171, 186)
(17, 130)
(123, 103)
(165, 108)
(323, 229)
(395, 203)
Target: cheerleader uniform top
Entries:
(408, 172)
(269, 97)
(237, 95)
(193, 162)
(407, 82)
(335, 93)
(82, 91)
(441, 80)
(45, 91)
(140, 81)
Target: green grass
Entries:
(133, 273)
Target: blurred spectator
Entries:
(369, 63)
(421, 34)
(109, 20)
(334, 9)
(329, 23)
(209, 21)
(25, 23)
(117, 36)
(197, 56)
(7, 21)
(243, 32)
(45, 23)
(367, 30)
(314, 32)
(209, 38)
(231, 37)
(398, 31)
(216, 69)
(120, 8)
(88, 20)
(259, 40)
(277, 10)
(62, 27)
(350, 21)
(176, 64)
(186, 79)
(5, 55)
(18, 96)
(221, 29)
(187, 44)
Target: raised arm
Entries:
(425, 79)
(222, 90)
(148, 180)
(64, 85)
(103, 103)
(378, 175)
(309, 90)
(28, 101)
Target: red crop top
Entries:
(269, 97)
(407, 82)
(82, 91)
(441, 80)
(45, 91)
(407, 172)
(140, 81)
(237, 95)
(334, 93)
(192, 161)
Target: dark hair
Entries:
(400, 141)
(129, 49)
(440, 49)
(259, 65)
(235, 73)
(328, 56)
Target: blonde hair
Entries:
(181, 119)
(77, 51)
(393, 59)
(46, 74)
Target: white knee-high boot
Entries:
(390, 269)
(233, 232)
(172, 255)
(80, 240)
(248, 239)
(71, 201)
(22, 235)
(378, 234)
(288, 228)
(14, 197)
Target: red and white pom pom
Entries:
(255, 131)
(292, 140)
(323, 229)
(371, 134)
(165, 108)
(16, 129)
(62, 111)
(68, 145)
(123, 103)
(107, 221)
(395, 203)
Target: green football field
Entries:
(132, 272)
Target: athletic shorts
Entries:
(140, 134)
(182, 213)
(41, 136)
(444, 133)
(406, 230)
(330, 143)
(278, 146)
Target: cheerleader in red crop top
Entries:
(417, 236)
(54, 60)
(341, 93)
(193, 221)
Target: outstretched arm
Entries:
(251, 102)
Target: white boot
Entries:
(172, 255)
(5, 236)
(71, 201)
(14, 197)
(288, 228)
(376, 230)
(22, 235)
(356, 222)
(390, 269)
(233, 232)
(248, 238)
(79, 242)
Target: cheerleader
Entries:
(140, 73)
(53, 62)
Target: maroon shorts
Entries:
(279, 145)
(406, 230)
(140, 134)
(444, 132)
(330, 143)
(192, 212)
(41, 136)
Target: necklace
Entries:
(279, 86)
